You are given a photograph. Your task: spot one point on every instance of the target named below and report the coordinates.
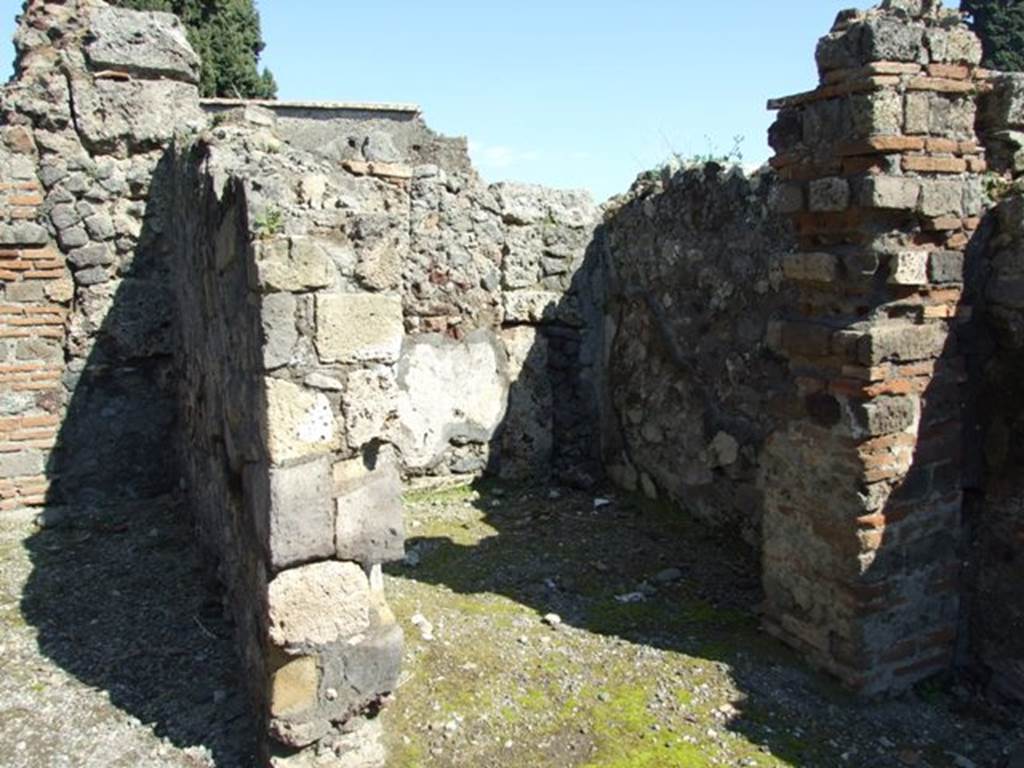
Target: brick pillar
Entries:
(863, 494)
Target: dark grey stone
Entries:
(301, 525)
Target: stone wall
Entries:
(295, 493)
(864, 482)
(342, 321)
(282, 309)
(488, 276)
(277, 328)
(996, 511)
(694, 280)
(90, 408)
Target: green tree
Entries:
(1000, 25)
(226, 35)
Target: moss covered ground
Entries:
(655, 659)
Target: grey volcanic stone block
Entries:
(301, 520)
(366, 670)
(21, 464)
(902, 342)
(137, 114)
(946, 267)
(885, 415)
(94, 255)
(23, 233)
(148, 44)
(368, 525)
(279, 332)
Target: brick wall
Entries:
(863, 484)
(33, 314)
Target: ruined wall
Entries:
(694, 279)
(864, 482)
(90, 410)
(88, 312)
(340, 322)
(296, 304)
(283, 358)
(494, 271)
(489, 278)
(996, 511)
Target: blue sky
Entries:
(562, 92)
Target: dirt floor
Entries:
(112, 653)
(547, 627)
(544, 627)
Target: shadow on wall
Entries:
(117, 591)
(553, 416)
(642, 571)
(994, 504)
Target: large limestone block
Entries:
(292, 264)
(146, 44)
(370, 402)
(301, 518)
(293, 687)
(317, 604)
(115, 115)
(358, 327)
(449, 390)
(369, 526)
(300, 422)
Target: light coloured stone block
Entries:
(318, 604)
(942, 198)
(894, 192)
(917, 113)
(877, 113)
(21, 464)
(280, 335)
(149, 44)
(300, 422)
(531, 306)
(111, 113)
(292, 264)
(359, 327)
(909, 268)
(370, 403)
(293, 687)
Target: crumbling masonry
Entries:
(284, 309)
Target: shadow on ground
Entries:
(119, 601)
(117, 592)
